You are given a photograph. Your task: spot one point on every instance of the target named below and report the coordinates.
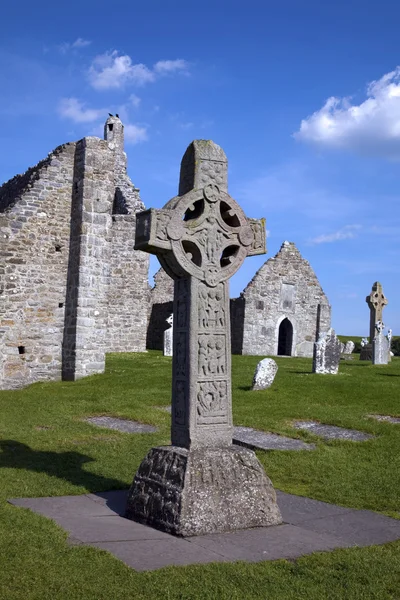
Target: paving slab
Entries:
(123, 425)
(386, 418)
(309, 526)
(332, 432)
(252, 438)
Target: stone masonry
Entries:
(282, 310)
(71, 285)
(283, 303)
(201, 483)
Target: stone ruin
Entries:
(202, 483)
(280, 312)
(72, 286)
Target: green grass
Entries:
(47, 450)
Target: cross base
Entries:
(197, 492)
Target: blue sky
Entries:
(304, 97)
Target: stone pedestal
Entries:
(366, 352)
(197, 492)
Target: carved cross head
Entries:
(377, 299)
(204, 232)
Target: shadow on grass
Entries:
(389, 374)
(245, 388)
(64, 465)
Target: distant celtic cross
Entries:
(201, 238)
(376, 302)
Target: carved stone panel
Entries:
(212, 399)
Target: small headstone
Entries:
(264, 374)
(168, 336)
(380, 346)
(349, 347)
(327, 353)
(342, 347)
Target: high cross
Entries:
(201, 237)
(376, 302)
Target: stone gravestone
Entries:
(389, 336)
(376, 301)
(264, 374)
(349, 347)
(380, 346)
(327, 352)
(168, 335)
(201, 483)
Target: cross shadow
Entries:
(389, 374)
(64, 465)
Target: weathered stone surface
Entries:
(72, 287)
(207, 490)
(282, 309)
(349, 347)
(366, 352)
(380, 346)
(123, 425)
(263, 440)
(332, 432)
(264, 374)
(327, 353)
(201, 483)
(386, 418)
(168, 335)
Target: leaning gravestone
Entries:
(201, 483)
(327, 352)
(264, 374)
(168, 335)
(380, 346)
(349, 347)
(376, 301)
(389, 336)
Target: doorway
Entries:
(285, 338)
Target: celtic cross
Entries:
(376, 302)
(201, 238)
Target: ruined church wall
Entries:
(161, 307)
(34, 227)
(285, 287)
(129, 293)
(86, 318)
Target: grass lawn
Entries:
(47, 450)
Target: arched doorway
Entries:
(285, 338)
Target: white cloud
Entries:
(371, 127)
(78, 43)
(110, 70)
(134, 100)
(72, 108)
(135, 133)
(345, 233)
(170, 66)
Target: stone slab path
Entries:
(309, 526)
(386, 418)
(252, 438)
(332, 432)
(121, 425)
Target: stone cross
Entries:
(376, 302)
(201, 483)
(201, 238)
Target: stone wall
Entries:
(34, 228)
(161, 307)
(71, 285)
(285, 292)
